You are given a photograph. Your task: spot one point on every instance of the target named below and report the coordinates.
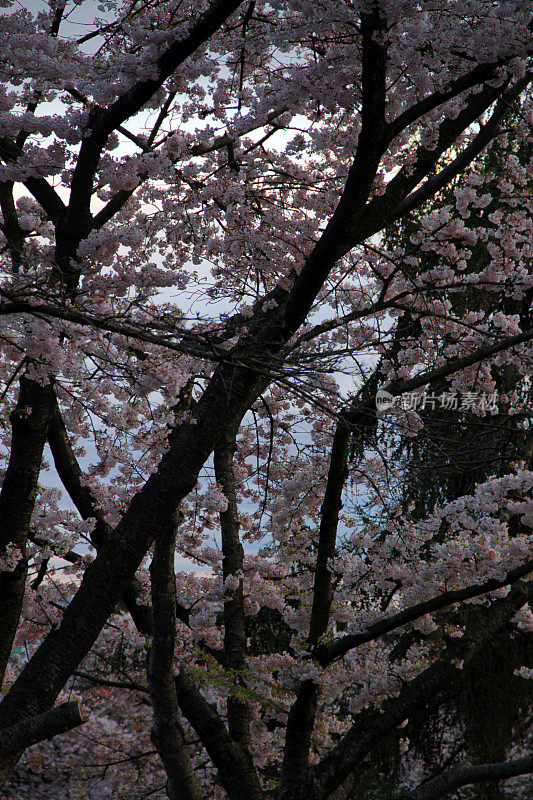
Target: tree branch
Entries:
(167, 733)
(45, 195)
(70, 314)
(123, 195)
(301, 718)
(396, 388)
(486, 134)
(466, 774)
(29, 422)
(478, 75)
(232, 565)
(384, 208)
(71, 476)
(302, 715)
(325, 654)
(342, 231)
(11, 227)
(102, 122)
(29, 731)
(235, 766)
(373, 725)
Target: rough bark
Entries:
(232, 564)
(167, 732)
(17, 737)
(29, 423)
(10, 227)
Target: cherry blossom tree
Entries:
(251, 252)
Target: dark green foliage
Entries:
(454, 453)
(268, 632)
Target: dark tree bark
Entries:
(29, 423)
(61, 719)
(167, 731)
(465, 775)
(232, 565)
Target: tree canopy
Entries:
(265, 302)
